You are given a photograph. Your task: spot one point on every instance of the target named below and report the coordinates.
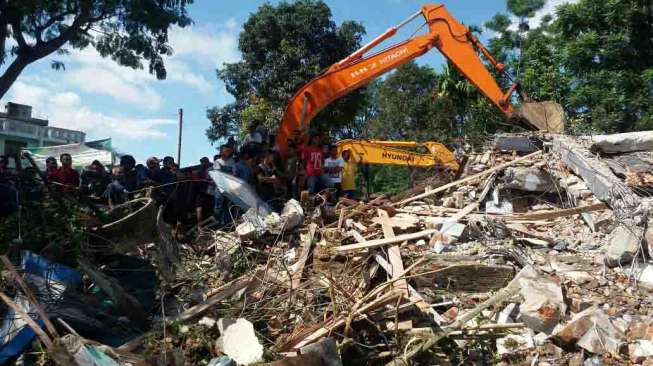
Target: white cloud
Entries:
(66, 110)
(103, 80)
(29, 94)
(181, 72)
(206, 45)
(198, 50)
(68, 99)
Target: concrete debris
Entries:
(625, 242)
(543, 304)
(569, 334)
(602, 337)
(643, 273)
(623, 142)
(531, 255)
(238, 341)
(529, 179)
(640, 350)
(592, 330)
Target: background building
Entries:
(19, 130)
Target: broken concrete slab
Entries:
(602, 337)
(592, 330)
(569, 334)
(625, 242)
(292, 215)
(643, 274)
(640, 350)
(627, 206)
(530, 179)
(543, 305)
(623, 142)
(239, 341)
(521, 144)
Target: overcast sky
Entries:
(140, 113)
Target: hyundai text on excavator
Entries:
(451, 38)
(396, 153)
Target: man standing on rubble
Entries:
(313, 158)
(333, 166)
(349, 170)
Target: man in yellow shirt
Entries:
(349, 175)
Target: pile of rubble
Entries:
(537, 254)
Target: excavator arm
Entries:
(391, 153)
(445, 33)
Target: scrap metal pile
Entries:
(536, 254)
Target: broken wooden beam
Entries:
(394, 253)
(381, 242)
(511, 289)
(468, 179)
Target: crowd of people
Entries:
(190, 191)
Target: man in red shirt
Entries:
(313, 158)
(66, 175)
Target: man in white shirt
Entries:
(333, 168)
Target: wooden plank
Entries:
(359, 238)
(342, 320)
(468, 179)
(413, 294)
(473, 206)
(503, 294)
(298, 268)
(381, 242)
(394, 253)
(561, 213)
(223, 293)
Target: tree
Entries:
(409, 107)
(128, 31)
(283, 47)
(599, 66)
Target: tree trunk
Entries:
(11, 74)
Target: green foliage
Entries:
(284, 46)
(409, 107)
(525, 8)
(390, 179)
(595, 58)
(128, 31)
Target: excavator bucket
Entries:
(543, 116)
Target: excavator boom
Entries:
(390, 153)
(445, 33)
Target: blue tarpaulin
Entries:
(50, 279)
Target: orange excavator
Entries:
(447, 35)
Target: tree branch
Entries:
(18, 35)
(52, 45)
(56, 18)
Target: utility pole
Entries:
(181, 122)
